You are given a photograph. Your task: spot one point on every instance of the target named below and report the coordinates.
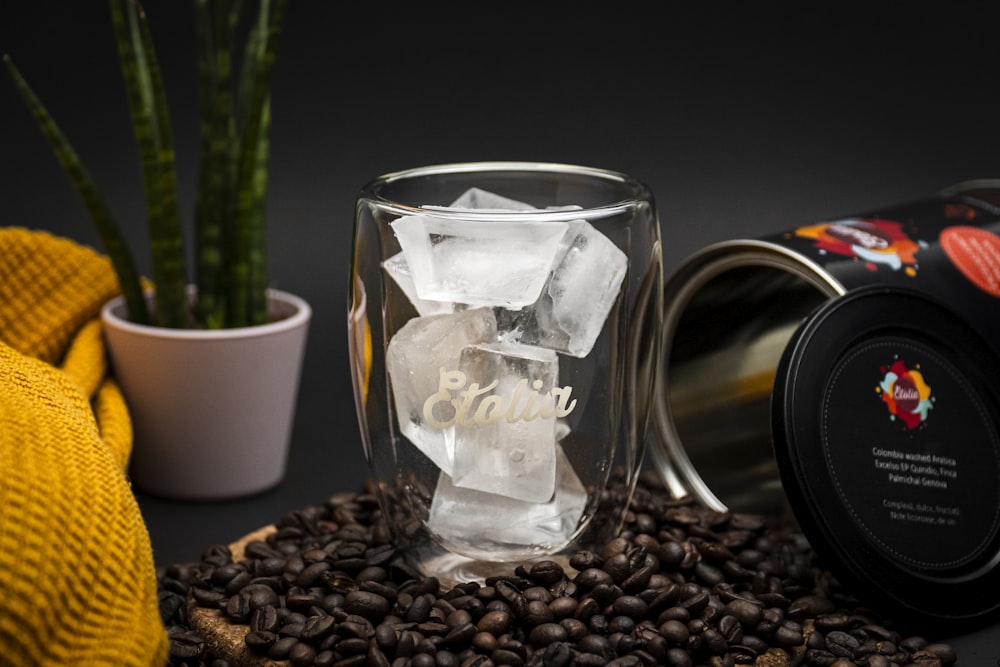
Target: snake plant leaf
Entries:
(248, 273)
(151, 127)
(231, 269)
(93, 199)
(213, 209)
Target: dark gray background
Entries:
(744, 120)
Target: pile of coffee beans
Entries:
(680, 586)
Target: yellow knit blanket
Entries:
(77, 580)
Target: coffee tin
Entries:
(847, 371)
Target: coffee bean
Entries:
(563, 607)
(680, 585)
(556, 654)
(675, 632)
(460, 635)
(595, 644)
(281, 648)
(546, 572)
(677, 657)
(264, 619)
(618, 567)
(810, 606)
(260, 641)
(186, 645)
(369, 605)
(316, 628)
(629, 605)
(592, 577)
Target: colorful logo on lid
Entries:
(905, 394)
(878, 243)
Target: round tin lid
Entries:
(885, 426)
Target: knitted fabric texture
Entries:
(77, 578)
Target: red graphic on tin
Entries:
(905, 394)
(976, 253)
(875, 242)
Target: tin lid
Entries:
(885, 427)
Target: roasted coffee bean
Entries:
(680, 585)
(620, 624)
(537, 594)
(264, 619)
(301, 602)
(595, 644)
(420, 609)
(747, 612)
(495, 622)
(316, 628)
(352, 646)
(260, 641)
(185, 645)
(731, 629)
(586, 609)
(629, 605)
(677, 657)
(546, 572)
(460, 635)
(547, 633)
(810, 606)
(789, 635)
(556, 654)
(618, 567)
(356, 626)
(302, 655)
(458, 617)
(422, 660)
(537, 612)
(675, 632)
(696, 603)
(638, 581)
(841, 643)
(591, 577)
(474, 661)
(369, 605)
(707, 574)
(310, 574)
(281, 648)
(582, 560)
(946, 652)
(210, 598)
(563, 607)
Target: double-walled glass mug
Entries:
(503, 327)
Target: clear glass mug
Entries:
(504, 321)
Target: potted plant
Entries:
(194, 437)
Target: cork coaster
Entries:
(225, 639)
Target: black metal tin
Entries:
(849, 371)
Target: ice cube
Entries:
(574, 305)
(506, 443)
(480, 262)
(398, 269)
(477, 198)
(477, 523)
(418, 359)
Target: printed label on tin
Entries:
(878, 243)
(976, 253)
(912, 451)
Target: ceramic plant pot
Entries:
(212, 410)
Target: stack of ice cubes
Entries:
(475, 376)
